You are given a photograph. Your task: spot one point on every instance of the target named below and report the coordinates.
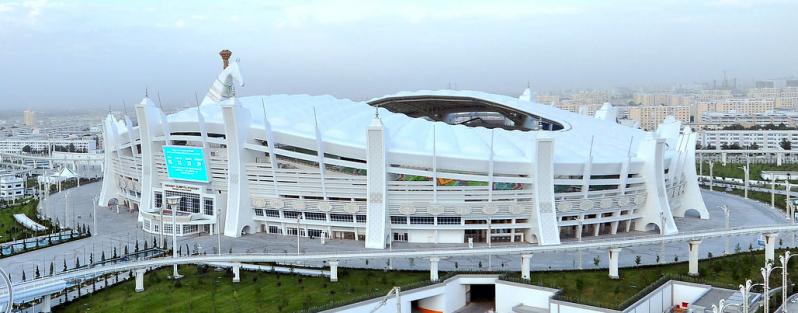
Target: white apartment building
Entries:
(765, 139)
(13, 145)
(718, 120)
(11, 187)
(650, 116)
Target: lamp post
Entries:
(785, 260)
(66, 208)
(766, 277)
(745, 290)
(745, 181)
(711, 178)
(298, 219)
(173, 202)
(726, 214)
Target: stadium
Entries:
(446, 166)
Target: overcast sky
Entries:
(97, 53)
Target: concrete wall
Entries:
(509, 294)
(433, 236)
(687, 292)
(655, 302)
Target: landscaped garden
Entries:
(733, 170)
(203, 290)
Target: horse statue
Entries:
(223, 87)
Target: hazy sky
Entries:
(97, 53)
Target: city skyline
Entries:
(95, 55)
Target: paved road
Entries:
(120, 229)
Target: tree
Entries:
(753, 146)
(785, 144)
(596, 261)
(65, 266)
(26, 149)
(637, 260)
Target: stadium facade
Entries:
(443, 166)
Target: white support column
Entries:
(770, 247)
(333, 270)
(779, 158)
(140, 279)
(526, 265)
(691, 198)
(46, 306)
(693, 257)
(237, 214)
(110, 187)
(614, 255)
(377, 226)
(543, 212)
(236, 272)
(723, 158)
(320, 156)
(624, 177)
(270, 143)
(148, 117)
(587, 170)
(656, 209)
(433, 268)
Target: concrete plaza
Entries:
(117, 229)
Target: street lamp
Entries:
(173, 203)
(726, 214)
(745, 290)
(745, 182)
(784, 259)
(766, 276)
(298, 219)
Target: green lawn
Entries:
(267, 292)
(213, 291)
(733, 170)
(10, 229)
(593, 287)
(763, 197)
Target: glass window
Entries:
(341, 218)
(398, 220)
(449, 220)
(422, 220)
(208, 206)
(316, 216)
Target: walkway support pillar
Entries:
(236, 272)
(377, 226)
(140, 279)
(693, 257)
(333, 270)
(770, 247)
(526, 264)
(433, 268)
(46, 306)
(615, 253)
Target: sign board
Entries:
(185, 163)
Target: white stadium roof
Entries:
(343, 123)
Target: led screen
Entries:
(185, 163)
